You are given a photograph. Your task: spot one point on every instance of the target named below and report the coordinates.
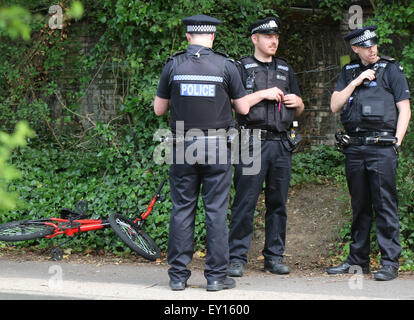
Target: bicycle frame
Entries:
(146, 213)
(69, 228)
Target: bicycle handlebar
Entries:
(145, 214)
(160, 187)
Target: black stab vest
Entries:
(198, 92)
(371, 106)
(266, 114)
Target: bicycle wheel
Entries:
(135, 238)
(24, 230)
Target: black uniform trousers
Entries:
(371, 176)
(214, 179)
(275, 168)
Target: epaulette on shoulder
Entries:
(225, 55)
(222, 54)
(176, 54)
(246, 57)
(179, 52)
(245, 61)
(387, 58)
(352, 65)
(394, 62)
(283, 59)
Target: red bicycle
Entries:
(132, 233)
(72, 222)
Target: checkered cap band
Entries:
(367, 35)
(201, 28)
(266, 26)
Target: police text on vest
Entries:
(197, 90)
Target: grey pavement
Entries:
(33, 280)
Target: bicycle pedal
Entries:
(56, 254)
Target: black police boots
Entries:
(236, 269)
(227, 283)
(386, 273)
(178, 285)
(344, 268)
(276, 266)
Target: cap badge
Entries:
(272, 24)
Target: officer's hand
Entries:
(367, 74)
(273, 94)
(292, 101)
(396, 148)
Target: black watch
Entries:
(397, 148)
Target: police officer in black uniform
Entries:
(197, 86)
(272, 120)
(373, 97)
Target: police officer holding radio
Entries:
(373, 97)
(273, 120)
(197, 86)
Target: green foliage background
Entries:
(110, 164)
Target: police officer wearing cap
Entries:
(197, 86)
(373, 97)
(272, 119)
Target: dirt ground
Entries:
(315, 215)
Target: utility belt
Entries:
(272, 135)
(263, 134)
(365, 138)
(289, 139)
(371, 134)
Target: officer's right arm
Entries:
(273, 93)
(339, 98)
(241, 105)
(160, 106)
(163, 94)
(244, 104)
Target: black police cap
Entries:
(362, 37)
(201, 24)
(269, 25)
